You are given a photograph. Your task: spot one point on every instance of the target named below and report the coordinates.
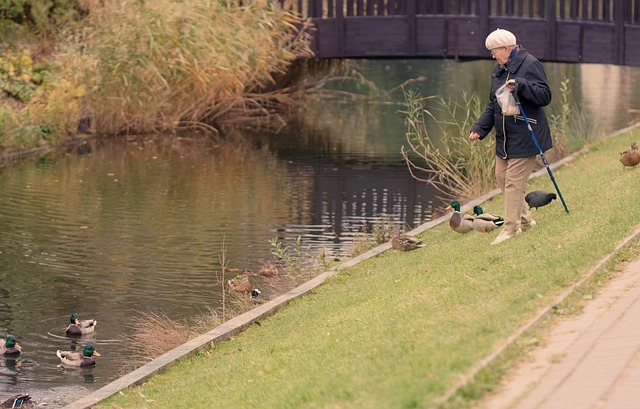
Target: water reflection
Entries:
(138, 226)
(123, 227)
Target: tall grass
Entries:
(163, 65)
(572, 126)
(456, 166)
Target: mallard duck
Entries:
(80, 327)
(81, 359)
(240, 284)
(539, 198)
(404, 242)
(10, 347)
(484, 222)
(21, 400)
(461, 223)
(630, 157)
(268, 270)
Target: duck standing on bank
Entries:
(79, 359)
(630, 157)
(484, 222)
(80, 327)
(404, 242)
(461, 223)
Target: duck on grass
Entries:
(404, 242)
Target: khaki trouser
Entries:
(513, 175)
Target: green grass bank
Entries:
(400, 329)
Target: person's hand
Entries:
(511, 84)
(474, 136)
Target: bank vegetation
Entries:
(71, 67)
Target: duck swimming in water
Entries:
(80, 359)
(80, 327)
(10, 347)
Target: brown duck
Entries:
(268, 270)
(404, 242)
(630, 157)
(240, 284)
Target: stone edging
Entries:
(239, 323)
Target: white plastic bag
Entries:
(507, 101)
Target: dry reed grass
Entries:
(165, 65)
(156, 334)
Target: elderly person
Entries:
(521, 72)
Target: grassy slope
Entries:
(397, 330)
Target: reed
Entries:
(165, 65)
(572, 126)
(157, 334)
(454, 165)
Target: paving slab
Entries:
(587, 361)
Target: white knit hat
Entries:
(500, 38)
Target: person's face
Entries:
(500, 54)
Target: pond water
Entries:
(138, 226)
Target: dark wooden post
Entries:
(552, 32)
(483, 23)
(340, 27)
(411, 27)
(618, 13)
(318, 9)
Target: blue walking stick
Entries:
(535, 140)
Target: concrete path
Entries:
(591, 360)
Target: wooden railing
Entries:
(598, 31)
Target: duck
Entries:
(404, 242)
(21, 400)
(461, 223)
(81, 359)
(10, 347)
(80, 327)
(484, 222)
(240, 284)
(539, 198)
(630, 157)
(268, 270)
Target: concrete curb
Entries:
(238, 324)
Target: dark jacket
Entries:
(513, 138)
